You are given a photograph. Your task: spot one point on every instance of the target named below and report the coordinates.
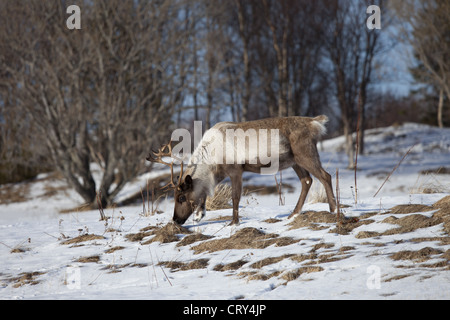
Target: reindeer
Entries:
(219, 156)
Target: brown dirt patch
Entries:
(83, 238)
(245, 238)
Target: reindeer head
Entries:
(187, 198)
(187, 201)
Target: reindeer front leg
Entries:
(236, 185)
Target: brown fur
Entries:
(299, 136)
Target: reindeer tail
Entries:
(318, 126)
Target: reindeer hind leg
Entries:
(305, 179)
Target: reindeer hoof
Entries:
(198, 216)
(293, 214)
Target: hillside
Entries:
(392, 246)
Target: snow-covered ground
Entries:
(267, 256)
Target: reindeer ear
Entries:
(187, 184)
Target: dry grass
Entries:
(421, 255)
(13, 193)
(221, 198)
(444, 212)
(114, 249)
(312, 220)
(415, 221)
(94, 259)
(245, 238)
(167, 233)
(268, 261)
(429, 182)
(410, 223)
(292, 275)
(192, 238)
(83, 238)
(183, 266)
(410, 208)
(25, 278)
(440, 170)
(230, 266)
(272, 220)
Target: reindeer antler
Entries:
(157, 158)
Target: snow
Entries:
(357, 268)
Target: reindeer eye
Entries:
(181, 198)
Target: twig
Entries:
(387, 178)
(148, 199)
(100, 207)
(143, 203)
(338, 209)
(279, 186)
(358, 128)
